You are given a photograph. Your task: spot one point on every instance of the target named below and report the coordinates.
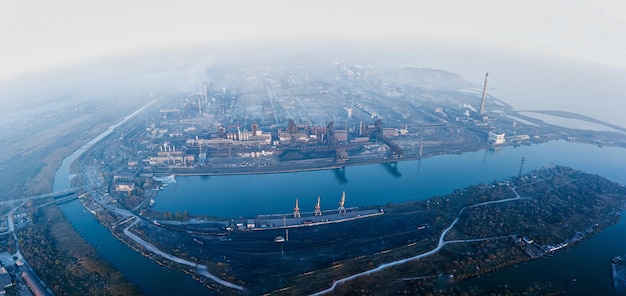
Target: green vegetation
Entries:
(550, 206)
(556, 205)
(64, 261)
(561, 207)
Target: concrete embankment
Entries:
(201, 268)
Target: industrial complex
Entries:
(257, 119)
(263, 120)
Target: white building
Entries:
(496, 137)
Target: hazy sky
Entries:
(39, 34)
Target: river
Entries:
(151, 278)
(375, 184)
(378, 184)
(581, 270)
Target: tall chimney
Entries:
(482, 102)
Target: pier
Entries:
(263, 222)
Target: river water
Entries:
(376, 184)
(150, 277)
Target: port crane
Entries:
(342, 209)
(318, 211)
(296, 210)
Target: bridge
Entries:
(55, 195)
(63, 199)
(58, 197)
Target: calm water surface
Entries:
(150, 277)
(378, 184)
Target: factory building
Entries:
(519, 138)
(123, 186)
(5, 280)
(35, 286)
(496, 138)
(390, 132)
(360, 140)
(198, 142)
(167, 154)
(254, 136)
(171, 158)
(341, 135)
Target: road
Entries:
(201, 269)
(440, 245)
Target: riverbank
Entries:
(294, 166)
(452, 215)
(309, 165)
(227, 265)
(470, 259)
(72, 264)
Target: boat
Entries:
(151, 201)
(279, 239)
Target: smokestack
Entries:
(199, 106)
(482, 102)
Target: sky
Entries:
(39, 35)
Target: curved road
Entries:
(440, 245)
(201, 269)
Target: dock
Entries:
(282, 221)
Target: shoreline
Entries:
(301, 166)
(206, 171)
(323, 163)
(442, 241)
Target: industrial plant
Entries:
(259, 119)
